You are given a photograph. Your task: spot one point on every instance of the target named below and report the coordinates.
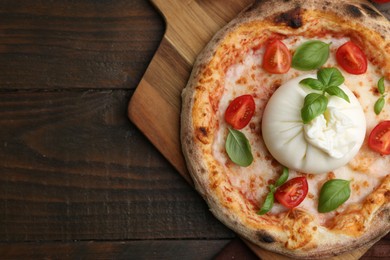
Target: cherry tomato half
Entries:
(277, 57)
(379, 138)
(240, 111)
(351, 58)
(293, 192)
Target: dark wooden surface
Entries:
(77, 179)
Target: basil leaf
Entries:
(379, 104)
(381, 85)
(333, 193)
(272, 188)
(268, 203)
(310, 55)
(269, 199)
(283, 178)
(336, 91)
(314, 105)
(312, 83)
(330, 77)
(238, 148)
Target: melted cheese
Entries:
(365, 170)
(314, 147)
(334, 131)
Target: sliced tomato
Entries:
(351, 58)
(277, 57)
(240, 111)
(293, 192)
(379, 138)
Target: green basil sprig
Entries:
(269, 199)
(380, 103)
(333, 193)
(315, 104)
(268, 203)
(283, 178)
(310, 55)
(238, 148)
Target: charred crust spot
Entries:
(374, 90)
(353, 11)
(203, 131)
(202, 134)
(325, 5)
(370, 11)
(265, 237)
(253, 6)
(291, 18)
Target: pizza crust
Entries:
(294, 233)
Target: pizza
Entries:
(285, 126)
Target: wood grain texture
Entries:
(76, 44)
(147, 249)
(155, 106)
(73, 167)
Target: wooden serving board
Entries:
(156, 104)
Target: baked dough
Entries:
(234, 194)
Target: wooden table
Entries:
(77, 179)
